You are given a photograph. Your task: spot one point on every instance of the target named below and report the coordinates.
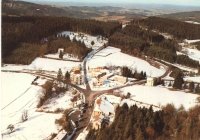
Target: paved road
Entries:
(89, 56)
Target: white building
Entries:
(76, 78)
(150, 81)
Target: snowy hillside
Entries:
(18, 96)
(111, 56)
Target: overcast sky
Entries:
(174, 2)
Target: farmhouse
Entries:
(103, 109)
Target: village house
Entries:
(103, 109)
(76, 79)
(76, 76)
(150, 81)
(101, 79)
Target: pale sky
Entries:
(173, 2)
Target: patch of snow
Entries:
(41, 81)
(82, 135)
(192, 22)
(168, 77)
(106, 107)
(180, 53)
(191, 41)
(113, 99)
(131, 102)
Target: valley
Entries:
(99, 73)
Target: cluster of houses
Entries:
(102, 76)
(104, 111)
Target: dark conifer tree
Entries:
(191, 86)
(178, 82)
(61, 54)
(67, 76)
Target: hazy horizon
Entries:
(195, 3)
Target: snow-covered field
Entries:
(111, 56)
(159, 96)
(13, 67)
(39, 126)
(52, 65)
(13, 85)
(44, 64)
(83, 135)
(19, 95)
(87, 39)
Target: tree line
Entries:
(137, 41)
(127, 72)
(136, 123)
(180, 30)
(27, 52)
(32, 29)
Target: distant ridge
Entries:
(184, 16)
